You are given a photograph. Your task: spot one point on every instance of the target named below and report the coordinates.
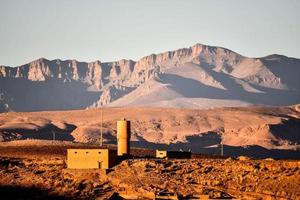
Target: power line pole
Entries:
(221, 144)
(53, 136)
(222, 150)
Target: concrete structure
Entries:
(161, 154)
(101, 158)
(123, 137)
(173, 154)
(91, 158)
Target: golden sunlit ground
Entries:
(36, 169)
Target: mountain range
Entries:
(200, 76)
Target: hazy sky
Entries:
(110, 30)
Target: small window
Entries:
(87, 152)
(99, 152)
(75, 152)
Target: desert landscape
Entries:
(238, 116)
(259, 162)
(158, 100)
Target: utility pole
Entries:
(221, 144)
(53, 136)
(101, 130)
(222, 150)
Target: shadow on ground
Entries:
(24, 193)
(210, 144)
(47, 132)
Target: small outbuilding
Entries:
(102, 158)
(91, 158)
(173, 154)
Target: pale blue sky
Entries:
(89, 30)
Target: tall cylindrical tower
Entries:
(123, 137)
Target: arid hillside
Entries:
(255, 131)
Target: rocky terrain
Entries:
(200, 76)
(36, 170)
(254, 131)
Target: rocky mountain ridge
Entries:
(209, 73)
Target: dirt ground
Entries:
(37, 170)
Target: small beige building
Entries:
(91, 158)
(161, 154)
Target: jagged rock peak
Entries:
(42, 59)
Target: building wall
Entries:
(113, 158)
(90, 158)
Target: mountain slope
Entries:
(197, 77)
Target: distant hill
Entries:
(254, 131)
(197, 77)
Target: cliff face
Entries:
(92, 73)
(206, 71)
